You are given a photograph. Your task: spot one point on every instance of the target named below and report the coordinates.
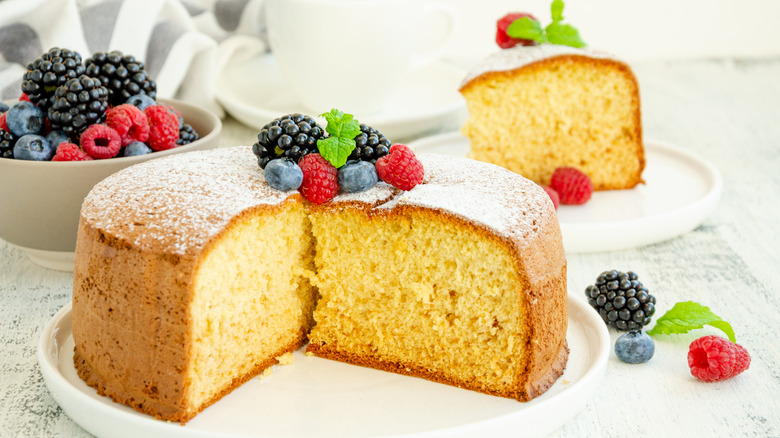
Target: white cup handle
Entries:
(451, 23)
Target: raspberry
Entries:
(24, 97)
(70, 152)
(505, 41)
(320, 179)
(556, 200)
(573, 186)
(163, 128)
(100, 141)
(400, 168)
(129, 122)
(3, 125)
(712, 359)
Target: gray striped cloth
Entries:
(183, 43)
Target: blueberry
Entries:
(283, 174)
(3, 107)
(33, 147)
(357, 176)
(55, 138)
(634, 347)
(137, 148)
(141, 101)
(24, 118)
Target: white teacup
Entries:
(352, 54)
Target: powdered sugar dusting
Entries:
(519, 56)
(481, 193)
(176, 204)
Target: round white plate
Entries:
(681, 190)
(323, 398)
(253, 91)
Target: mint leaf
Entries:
(556, 9)
(526, 28)
(564, 34)
(689, 315)
(336, 149)
(343, 128)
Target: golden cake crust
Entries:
(145, 231)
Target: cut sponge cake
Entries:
(192, 276)
(533, 109)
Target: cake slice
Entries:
(535, 108)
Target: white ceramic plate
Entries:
(253, 91)
(681, 190)
(323, 398)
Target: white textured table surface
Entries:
(726, 111)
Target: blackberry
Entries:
(77, 104)
(7, 143)
(370, 145)
(123, 75)
(292, 136)
(187, 135)
(48, 72)
(621, 300)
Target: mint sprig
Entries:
(555, 33)
(689, 315)
(343, 128)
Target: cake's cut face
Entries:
(533, 109)
(252, 301)
(192, 276)
(422, 295)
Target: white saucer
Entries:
(253, 91)
(319, 397)
(681, 190)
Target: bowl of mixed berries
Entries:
(76, 122)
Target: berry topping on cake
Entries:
(370, 145)
(48, 72)
(129, 122)
(283, 174)
(163, 128)
(70, 152)
(556, 200)
(123, 75)
(622, 301)
(712, 359)
(78, 103)
(33, 147)
(7, 142)
(636, 346)
(573, 186)
(357, 176)
(187, 135)
(24, 118)
(505, 41)
(400, 168)
(291, 136)
(101, 141)
(320, 179)
(522, 28)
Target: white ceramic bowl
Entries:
(40, 202)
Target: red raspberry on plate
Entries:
(712, 359)
(320, 179)
(70, 152)
(556, 200)
(163, 128)
(400, 168)
(573, 186)
(100, 141)
(129, 122)
(505, 41)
